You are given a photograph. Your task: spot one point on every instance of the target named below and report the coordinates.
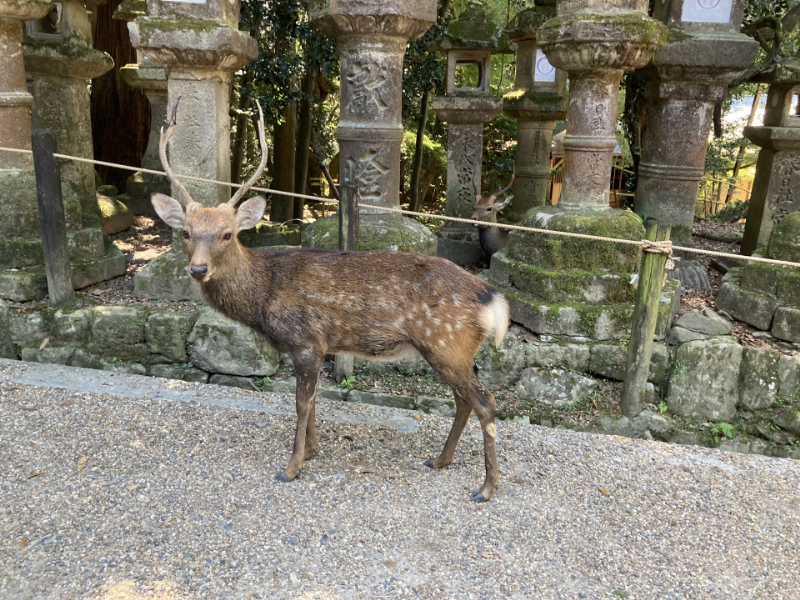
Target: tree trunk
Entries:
(743, 147)
(282, 207)
(416, 166)
(120, 114)
(240, 143)
(304, 123)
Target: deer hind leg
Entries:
(462, 414)
(467, 387)
(311, 430)
(307, 373)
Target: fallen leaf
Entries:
(24, 542)
(603, 491)
(390, 563)
(487, 554)
(196, 449)
(32, 475)
(82, 463)
(132, 487)
(44, 344)
(417, 417)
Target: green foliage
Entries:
(348, 382)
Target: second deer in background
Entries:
(486, 210)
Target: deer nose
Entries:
(198, 271)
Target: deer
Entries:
(492, 237)
(309, 303)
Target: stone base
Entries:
(375, 233)
(115, 216)
(691, 274)
(266, 234)
(594, 321)
(462, 247)
(17, 253)
(30, 283)
(166, 278)
(139, 188)
(567, 286)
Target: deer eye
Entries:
(489, 209)
(185, 234)
(227, 236)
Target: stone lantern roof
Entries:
(474, 30)
(525, 25)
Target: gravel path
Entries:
(110, 495)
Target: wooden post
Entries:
(51, 218)
(349, 199)
(643, 322)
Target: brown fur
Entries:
(492, 238)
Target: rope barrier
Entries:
(665, 247)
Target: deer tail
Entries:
(495, 317)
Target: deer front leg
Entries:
(307, 375)
(462, 415)
(311, 430)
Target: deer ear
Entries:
(501, 205)
(170, 210)
(250, 212)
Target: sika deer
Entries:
(486, 209)
(308, 303)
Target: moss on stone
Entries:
(783, 241)
(401, 235)
(636, 27)
(554, 252)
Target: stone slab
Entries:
(753, 308)
(786, 325)
(134, 386)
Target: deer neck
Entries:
(236, 286)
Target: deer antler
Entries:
(508, 187)
(264, 153)
(162, 153)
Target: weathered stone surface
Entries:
(555, 387)
(786, 325)
(165, 277)
(381, 399)
(179, 372)
(704, 380)
(446, 407)
(125, 367)
(610, 360)
(59, 355)
(789, 378)
(500, 367)
(114, 326)
(266, 234)
(761, 278)
(114, 215)
(84, 359)
(88, 272)
(647, 425)
(759, 377)
(678, 335)
(7, 349)
(72, 326)
(789, 419)
(706, 322)
(244, 383)
(752, 308)
(24, 285)
(220, 345)
(374, 234)
(27, 327)
(332, 392)
(573, 357)
(166, 334)
(788, 287)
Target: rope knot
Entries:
(664, 247)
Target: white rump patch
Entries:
(495, 318)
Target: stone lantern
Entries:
(151, 78)
(468, 43)
(688, 75)
(57, 52)
(60, 56)
(561, 286)
(776, 189)
(539, 100)
(372, 37)
(201, 46)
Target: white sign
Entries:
(707, 11)
(543, 71)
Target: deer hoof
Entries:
(432, 465)
(283, 477)
(479, 497)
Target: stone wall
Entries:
(705, 388)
